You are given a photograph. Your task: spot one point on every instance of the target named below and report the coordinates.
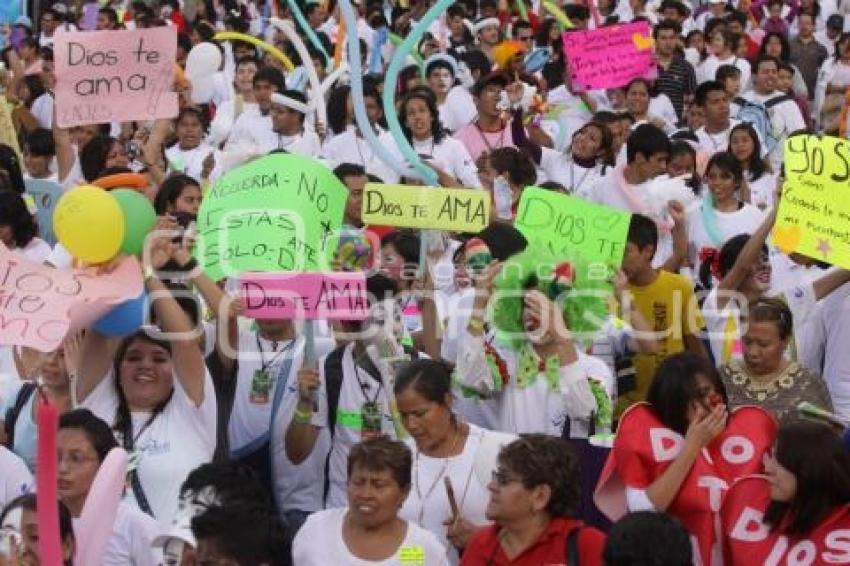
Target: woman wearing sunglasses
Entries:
(534, 497)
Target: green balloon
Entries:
(139, 218)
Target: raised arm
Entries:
(186, 353)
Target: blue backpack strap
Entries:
(277, 400)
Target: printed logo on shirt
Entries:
(154, 447)
(411, 555)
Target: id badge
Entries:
(371, 421)
(261, 385)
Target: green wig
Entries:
(566, 280)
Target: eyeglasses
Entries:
(502, 477)
(526, 38)
(74, 459)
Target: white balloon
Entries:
(203, 89)
(203, 59)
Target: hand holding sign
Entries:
(564, 224)
(610, 56)
(113, 76)
(814, 213)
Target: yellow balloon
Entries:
(275, 52)
(89, 223)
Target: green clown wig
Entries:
(567, 281)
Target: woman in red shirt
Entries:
(534, 495)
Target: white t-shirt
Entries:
(179, 439)
(305, 143)
(189, 161)
(427, 498)
(25, 442)
(835, 315)
(560, 167)
(356, 384)
(707, 70)
(16, 479)
(450, 155)
(132, 535)
(745, 220)
(713, 143)
(348, 147)
(763, 191)
(42, 110)
(536, 407)
(253, 401)
(725, 337)
(248, 123)
(320, 543)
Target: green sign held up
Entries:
(279, 213)
(565, 225)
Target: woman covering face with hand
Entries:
(675, 452)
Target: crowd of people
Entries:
(500, 404)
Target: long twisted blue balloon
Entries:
(308, 31)
(428, 175)
(357, 92)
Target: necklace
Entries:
(573, 185)
(486, 141)
(442, 473)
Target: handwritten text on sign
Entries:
(279, 213)
(115, 76)
(814, 213)
(429, 208)
(610, 56)
(39, 304)
(332, 296)
(566, 224)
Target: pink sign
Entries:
(40, 304)
(609, 57)
(115, 76)
(332, 296)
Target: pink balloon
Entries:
(98, 517)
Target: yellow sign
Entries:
(429, 208)
(814, 213)
(411, 555)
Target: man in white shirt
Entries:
(713, 99)
(288, 132)
(256, 123)
(785, 116)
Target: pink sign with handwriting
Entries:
(39, 305)
(332, 296)
(610, 56)
(115, 76)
